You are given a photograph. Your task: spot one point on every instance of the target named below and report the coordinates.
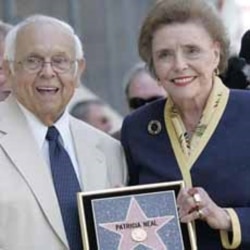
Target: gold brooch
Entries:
(154, 127)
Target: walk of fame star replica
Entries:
(142, 217)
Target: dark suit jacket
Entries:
(222, 169)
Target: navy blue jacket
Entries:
(222, 169)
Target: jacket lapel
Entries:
(91, 160)
(30, 163)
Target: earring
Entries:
(217, 71)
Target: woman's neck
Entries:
(191, 112)
(191, 109)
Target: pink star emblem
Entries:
(138, 229)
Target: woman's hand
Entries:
(195, 203)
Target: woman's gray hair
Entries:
(10, 41)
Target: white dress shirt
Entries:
(39, 131)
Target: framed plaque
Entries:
(142, 217)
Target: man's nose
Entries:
(47, 69)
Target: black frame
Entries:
(87, 218)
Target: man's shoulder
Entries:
(84, 129)
(9, 111)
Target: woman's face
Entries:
(184, 58)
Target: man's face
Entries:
(143, 89)
(45, 92)
(4, 89)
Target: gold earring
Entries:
(217, 71)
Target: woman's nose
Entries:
(180, 62)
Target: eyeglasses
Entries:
(59, 64)
(137, 102)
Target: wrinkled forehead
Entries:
(44, 38)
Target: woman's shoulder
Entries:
(239, 96)
(152, 110)
(238, 103)
(135, 125)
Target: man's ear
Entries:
(8, 73)
(80, 70)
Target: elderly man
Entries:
(4, 88)
(46, 155)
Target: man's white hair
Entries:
(10, 40)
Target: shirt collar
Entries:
(39, 130)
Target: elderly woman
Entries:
(201, 132)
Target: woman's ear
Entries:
(217, 53)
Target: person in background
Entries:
(237, 75)
(47, 156)
(245, 47)
(94, 113)
(4, 88)
(199, 134)
(141, 88)
(245, 54)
